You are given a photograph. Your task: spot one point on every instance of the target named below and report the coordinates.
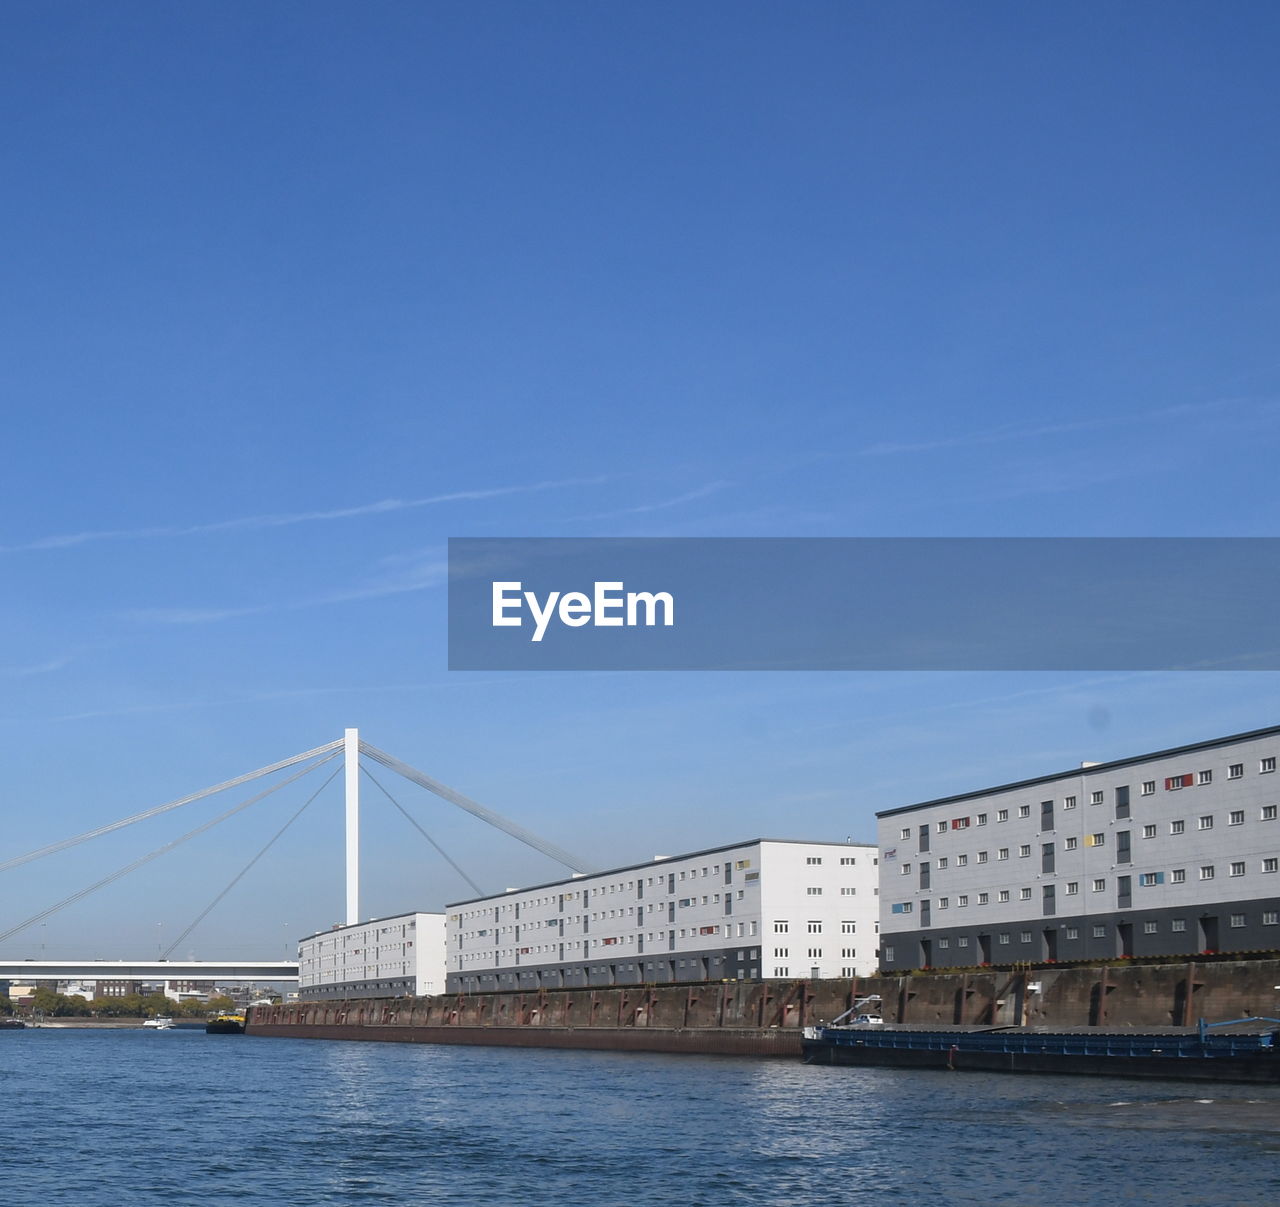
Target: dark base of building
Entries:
(1225, 928)
(669, 968)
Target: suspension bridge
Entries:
(347, 752)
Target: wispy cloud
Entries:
(690, 496)
(398, 575)
(286, 519)
(240, 700)
(1011, 432)
(47, 667)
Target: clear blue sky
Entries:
(294, 292)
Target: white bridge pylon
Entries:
(350, 747)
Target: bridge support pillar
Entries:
(351, 753)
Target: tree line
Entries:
(129, 1005)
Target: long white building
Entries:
(385, 957)
(1164, 854)
(768, 908)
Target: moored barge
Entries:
(1242, 1050)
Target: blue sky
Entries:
(296, 292)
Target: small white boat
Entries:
(159, 1023)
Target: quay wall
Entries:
(765, 1018)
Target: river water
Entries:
(146, 1117)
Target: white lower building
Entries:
(385, 957)
(768, 908)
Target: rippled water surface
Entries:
(162, 1117)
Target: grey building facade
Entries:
(1173, 853)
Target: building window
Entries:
(1235, 771)
(1270, 863)
(815, 953)
(1073, 932)
(1099, 886)
(1095, 840)
(1205, 823)
(1148, 787)
(1069, 802)
(1150, 928)
(1024, 936)
(942, 864)
(1237, 920)
(1004, 936)
(962, 861)
(848, 861)
(1237, 869)
(905, 832)
(1178, 876)
(1073, 887)
(942, 827)
(1095, 798)
(814, 892)
(1024, 894)
(982, 819)
(809, 859)
(1266, 765)
(962, 941)
(1149, 879)
(1268, 813)
(1024, 810)
(1071, 844)
(1205, 777)
(944, 902)
(1002, 853)
(781, 928)
(1003, 895)
(1177, 827)
(905, 869)
(1099, 932)
(963, 899)
(844, 892)
(1002, 815)
(1148, 831)
(1178, 925)
(815, 928)
(1024, 850)
(982, 857)
(1206, 872)
(1269, 917)
(983, 898)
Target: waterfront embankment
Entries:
(767, 1018)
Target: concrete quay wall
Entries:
(766, 1018)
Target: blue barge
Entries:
(1240, 1050)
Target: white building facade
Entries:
(767, 908)
(1167, 854)
(385, 957)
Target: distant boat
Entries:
(11, 1024)
(159, 1023)
(225, 1024)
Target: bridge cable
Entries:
(169, 846)
(479, 892)
(240, 875)
(476, 809)
(65, 843)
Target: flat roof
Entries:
(659, 860)
(1077, 772)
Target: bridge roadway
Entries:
(148, 970)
